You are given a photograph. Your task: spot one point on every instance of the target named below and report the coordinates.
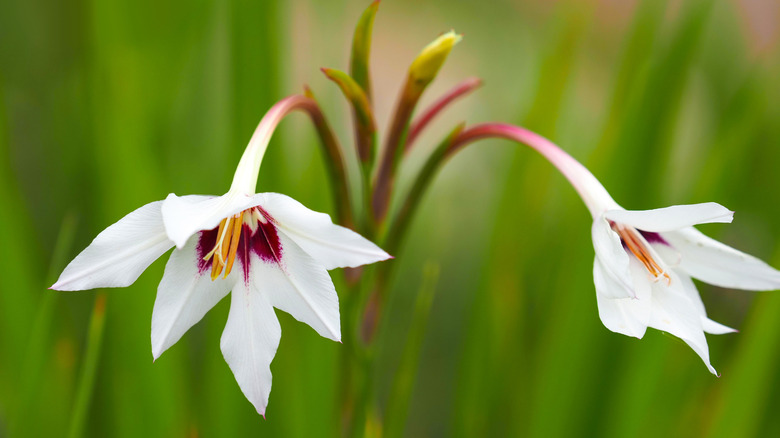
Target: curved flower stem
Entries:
(591, 191)
(421, 122)
(593, 194)
(245, 179)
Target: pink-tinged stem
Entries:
(419, 124)
(391, 154)
(593, 194)
(245, 178)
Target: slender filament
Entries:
(224, 252)
(638, 248)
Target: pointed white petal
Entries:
(628, 316)
(690, 291)
(331, 245)
(120, 253)
(301, 287)
(184, 216)
(672, 218)
(185, 294)
(249, 342)
(674, 313)
(613, 258)
(715, 328)
(711, 261)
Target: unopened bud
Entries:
(432, 57)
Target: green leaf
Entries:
(361, 48)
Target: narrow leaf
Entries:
(361, 49)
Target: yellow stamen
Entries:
(238, 222)
(636, 245)
(216, 268)
(219, 239)
(225, 248)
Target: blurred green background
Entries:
(108, 105)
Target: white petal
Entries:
(613, 258)
(185, 294)
(119, 253)
(694, 297)
(628, 316)
(331, 245)
(715, 328)
(674, 313)
(249, 342)
(184, 216)
(711, 261)
(689, 290)
(672, 218)
(301, 287)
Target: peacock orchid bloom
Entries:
(266, 248)
(645, 259)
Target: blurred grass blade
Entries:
(39, 345)
(636, 54)
(557, 67)
(746, 390)
(361, 49)
(403, 384)
(88, 367)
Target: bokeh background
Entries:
(106, 106)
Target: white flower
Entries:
(266, 248)
(645, 259)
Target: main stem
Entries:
(245, 178)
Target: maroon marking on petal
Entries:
(264, 242)
(652, 237)
(206, 241)
(243, 250)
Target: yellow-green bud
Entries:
(429, 61)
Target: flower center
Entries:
(638, 246)
(223, 254)
(242, 236)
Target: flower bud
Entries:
(429, 61)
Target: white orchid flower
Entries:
(266, 248)
(645, 259)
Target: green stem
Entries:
(89, 367)
(401, 390)
(393, 150)
(334, 161)
(420, 186)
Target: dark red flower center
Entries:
(253, 231)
